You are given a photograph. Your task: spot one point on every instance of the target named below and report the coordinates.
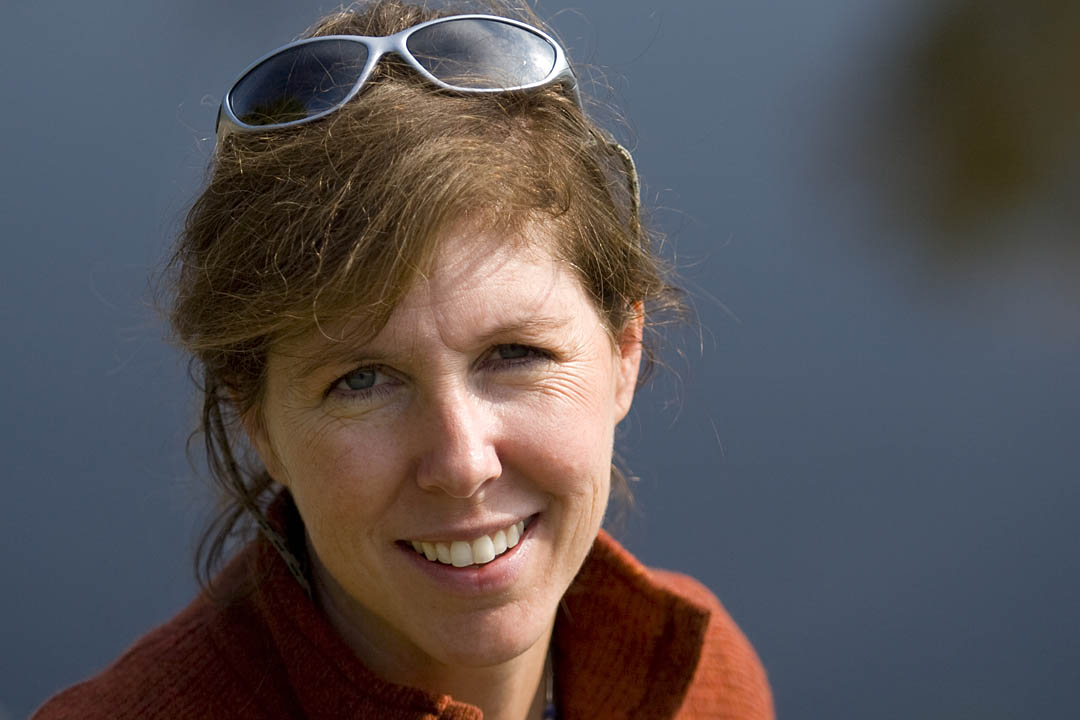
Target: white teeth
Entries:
(498, 542)
(483, 550)
(480, 551)
(460, 553)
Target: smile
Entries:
(478, 551)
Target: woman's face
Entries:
(488, 401)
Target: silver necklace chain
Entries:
(549, 689)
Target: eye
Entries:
(362, 381)
(513, 352)
(514, 355)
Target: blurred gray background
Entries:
(871, 454)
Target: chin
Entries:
(490, 637)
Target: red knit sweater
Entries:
(629, 643)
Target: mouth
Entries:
(471, 553)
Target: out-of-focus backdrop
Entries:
(871, 454)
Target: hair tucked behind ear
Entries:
(301, 226)
(246, 491)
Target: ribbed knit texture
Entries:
(629, 643)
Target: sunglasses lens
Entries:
(298, 83)
(482, 54)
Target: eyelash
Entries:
(533, 355)
(375, 391)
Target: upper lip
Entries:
(466, 532)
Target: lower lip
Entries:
(493, 577)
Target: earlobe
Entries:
(629, 360)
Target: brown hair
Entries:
(301, 226)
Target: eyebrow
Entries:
(530, 327)
(340, 352)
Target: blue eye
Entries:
(360, 379)
(514, 352)
(513, 356)
(364, 384)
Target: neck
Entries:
(510, 690)
(513, 690)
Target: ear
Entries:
(629, 360)
(255, 428)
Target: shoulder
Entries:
(163, 675)
(729, 681)
(209, 661)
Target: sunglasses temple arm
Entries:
(633, 184)
(223, 127)
(576, 93)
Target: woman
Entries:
(416, 287)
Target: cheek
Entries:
(568, 460)
(563, 445)
(339, 474)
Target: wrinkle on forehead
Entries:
(498, 288)
(464, 267)
(467, 260)
(467, 251)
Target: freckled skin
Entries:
(455, 427)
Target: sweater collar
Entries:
(624, 646)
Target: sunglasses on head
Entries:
(309, 79)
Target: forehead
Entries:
(470, 262)
(478, 284)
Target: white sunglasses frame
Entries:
(397, 44)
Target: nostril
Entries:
(462, 476)
(460, 455)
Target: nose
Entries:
(459, 457)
